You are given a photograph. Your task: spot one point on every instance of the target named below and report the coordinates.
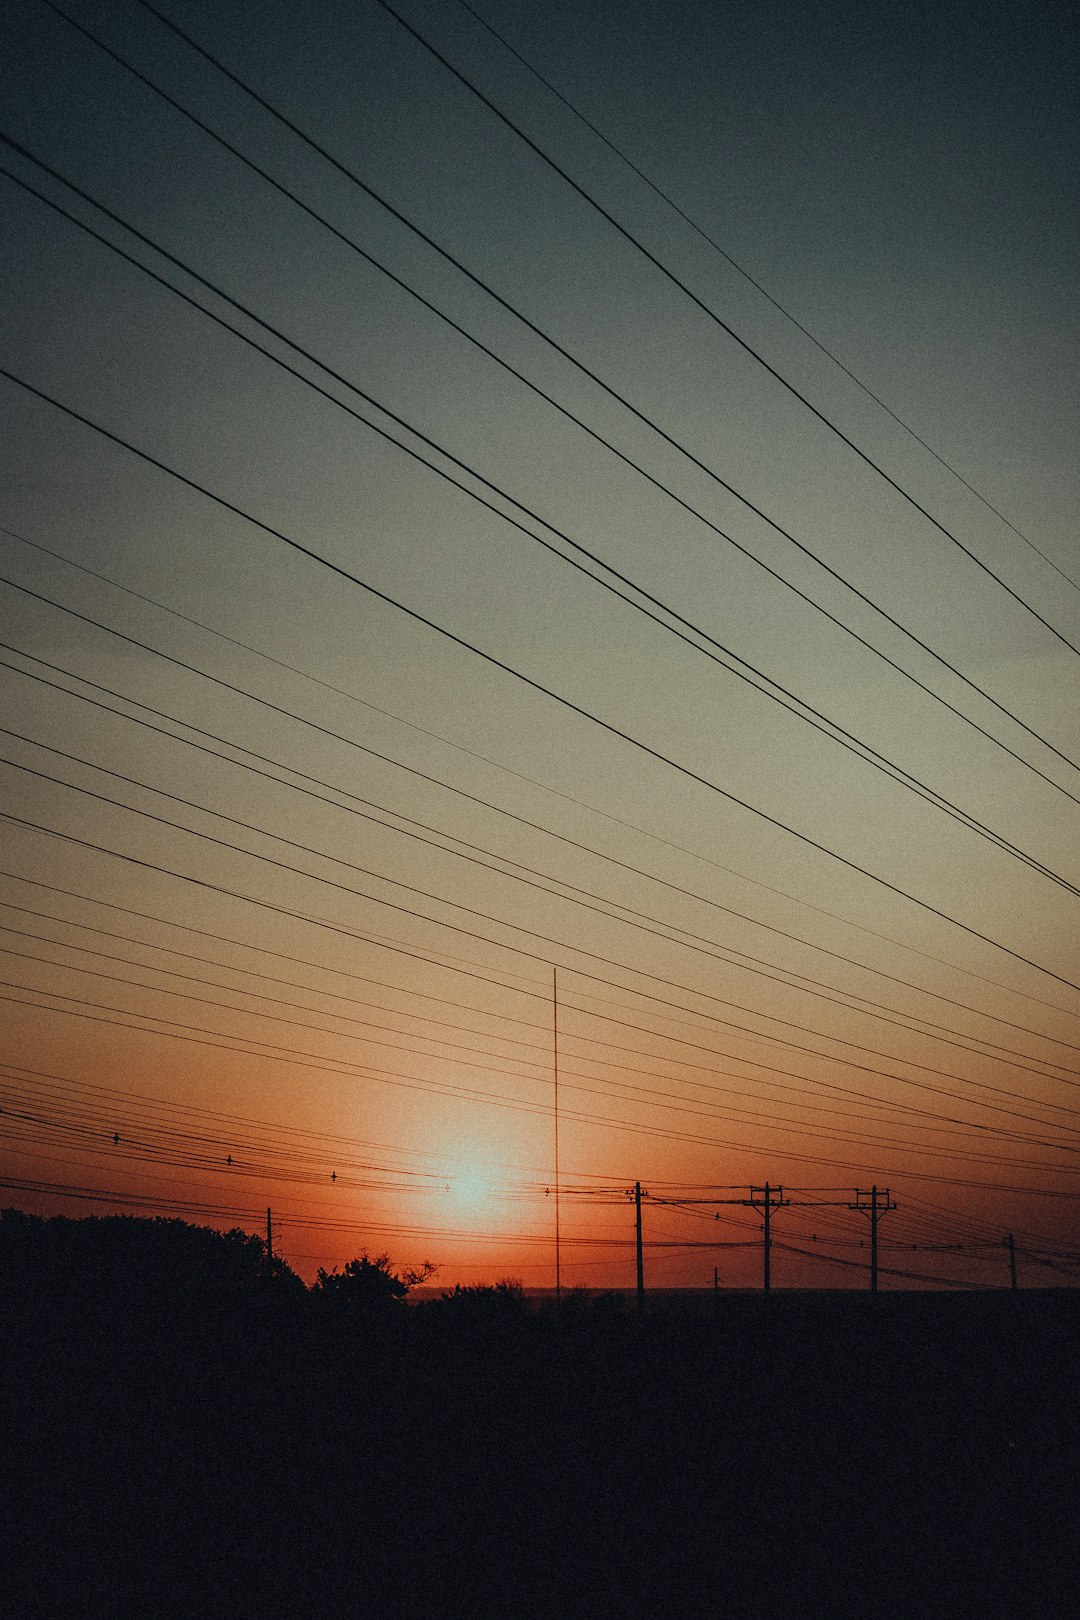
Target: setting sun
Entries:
(540, 793)
(471, 1187)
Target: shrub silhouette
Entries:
(503, 1301)
(367, 1286)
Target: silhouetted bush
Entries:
(366, 1286)
(501, 1301)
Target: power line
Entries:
(1041, 1253)
(905, 1108)
(921, 1115)
(276, 1001)
(885, 1271)
(241, 1162)
(613, 393)
(332, 1143)
(269, 978)
(443, 1088)
(527, 680)
(264, 950)
(472, 911)
(576, 895)
(711, 1052)
(701, 305)
(778, 1041)
(120, 1102)
(715, 650)
(83, 1132)
(922, 1085)
(219, 1211)
(775, 302)
(937, 1217)
(459, 792)
(346, 1070)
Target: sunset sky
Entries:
(394, 680)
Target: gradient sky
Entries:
(903, 182)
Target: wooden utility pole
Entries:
(1011, 1246)
(269, 1238)
(873, 1210)
(637, 1195)
(766, 1199)
(873, 1240)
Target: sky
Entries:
(601, 579)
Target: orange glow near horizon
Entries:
(317, 767)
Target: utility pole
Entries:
(1011, 1246)
(637, 1195)
(269, 1238)
(766, 1199)
(555, 1038)
(873, 1210)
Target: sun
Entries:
(470, 1187)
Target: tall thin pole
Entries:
(768, 1239)
(1012, 1261)
(269, 1236)
(640, 1263)
(558, 1234)
(873, 1240)
(877, 1207)
(766, 1204)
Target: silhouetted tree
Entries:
(367, 1286)
(122, 1262)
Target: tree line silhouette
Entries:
(188, 1429)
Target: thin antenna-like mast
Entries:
(555, 1028)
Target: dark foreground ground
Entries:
(250, 1456)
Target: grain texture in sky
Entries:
(521, 516)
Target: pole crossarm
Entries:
(748, 1203)
(879, 1204)
(761, 1198)
(764, 1198)
(637, 1193)
(767, 1199)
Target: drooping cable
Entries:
(713, 649)
(742, 271)
(706, 309)
(535, 685)
(487, 804)
(584, 370)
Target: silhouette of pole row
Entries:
(768, 1198)
(872, 1203)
